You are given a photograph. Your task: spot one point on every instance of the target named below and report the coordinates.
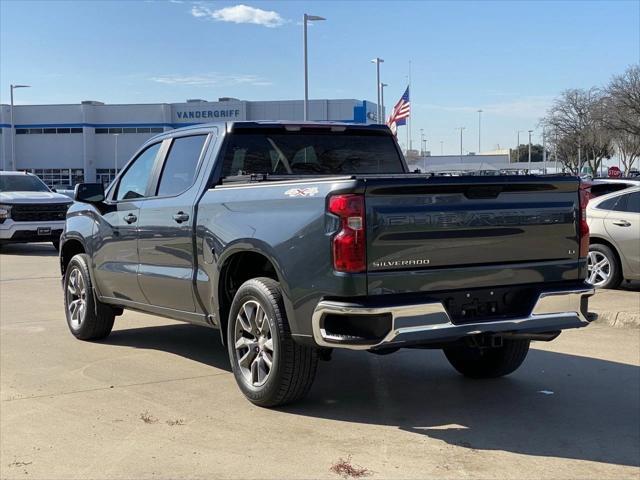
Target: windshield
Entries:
(304, 153)
(21, 183)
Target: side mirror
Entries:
(89, 193)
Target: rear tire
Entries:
(87, 318)
(604, 270)
(476, 362)
(270, 368)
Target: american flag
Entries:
(400, 112)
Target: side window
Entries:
(179, 169)
(632, 204)
(609, 204)
(133, 183)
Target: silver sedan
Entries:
(614, 250)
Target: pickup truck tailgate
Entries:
(420, 224)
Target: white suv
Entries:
(29, 210)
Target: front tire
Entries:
(493, 362)
(270, 368)
(87, 318)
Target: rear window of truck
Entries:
(305, 153)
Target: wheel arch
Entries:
(236, 266)
(70, 248)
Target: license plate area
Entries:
(44, 231)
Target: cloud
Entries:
(213, 79)
(240, 14)
(525, 107)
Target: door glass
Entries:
(633, 203)
(133, 183)
(179, 169)
(609, 204)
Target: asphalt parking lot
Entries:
(156, 399)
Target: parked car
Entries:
(603, 186)
(66, 190)
(29, 210)
(296, 239)
(614, 250)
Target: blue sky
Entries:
(508, 58)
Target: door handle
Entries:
(130, 218)
(622, 223)
(181, 217)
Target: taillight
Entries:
(349, 244)
(585, 195)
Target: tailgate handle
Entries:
(483, 191)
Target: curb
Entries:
(616, 319)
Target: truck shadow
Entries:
(555, 405)
(29, 249)
(196, 343)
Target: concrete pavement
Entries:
(156, 400)
(618, 308)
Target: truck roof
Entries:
(15, 172)
(287, 124)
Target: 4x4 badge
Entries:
(302, 192)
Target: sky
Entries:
(508, 58)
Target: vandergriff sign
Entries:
(207, 113)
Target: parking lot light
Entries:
(307, 18)
(12, 165)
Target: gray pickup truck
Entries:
(296, 239)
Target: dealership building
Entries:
(66, 144)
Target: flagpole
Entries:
(409, 139)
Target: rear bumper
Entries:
(430, 323)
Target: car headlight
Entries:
(5, 212)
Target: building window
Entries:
(40, 131)
(59, 177)
(118, 130)
(105, 175)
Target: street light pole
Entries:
(461, 130)
(378, 61)
(544, 151)
(441, 147)
(115, 155)
(382, 85)
(529, 166)
(12, 164)
(479, 129)
(307, 18)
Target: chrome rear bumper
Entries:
(429, 322)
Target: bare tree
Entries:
(620, 113)
(623, 102)
(576, 129)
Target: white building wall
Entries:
(92, 149)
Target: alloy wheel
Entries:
(254, 343)
(599, 268)
(76, 298)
